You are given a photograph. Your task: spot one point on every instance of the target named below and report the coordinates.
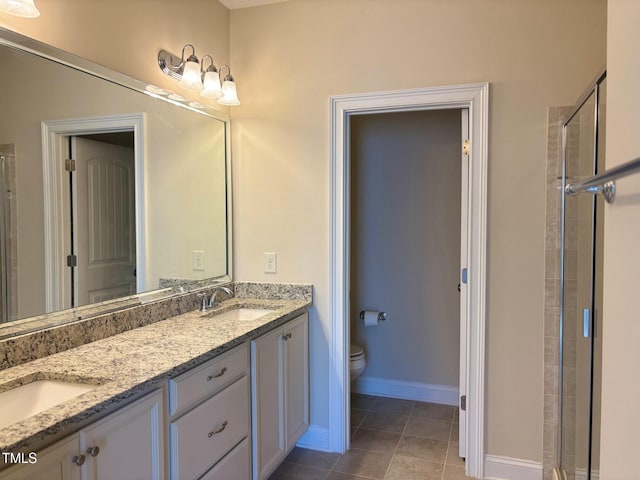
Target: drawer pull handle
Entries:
(78, 460)
(217, 375)
(286, 337)
(222, 427)
(93, 451)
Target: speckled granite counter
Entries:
(128, 365)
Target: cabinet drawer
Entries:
(200, 383)
(235, 466)
(204, 435)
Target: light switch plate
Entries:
(270, 262)
(197, 257)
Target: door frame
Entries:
(474, 97)
(54, 151)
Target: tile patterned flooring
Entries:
(391, 439)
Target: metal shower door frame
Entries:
(592, 89)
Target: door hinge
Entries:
(70, 165)
(463, 403)
(466, 147)
(72, 260)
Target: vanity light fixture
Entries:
(192, 74)
(19, 8)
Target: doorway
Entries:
(60, 139)
(475, 99)
(405, 244)
(408, 182)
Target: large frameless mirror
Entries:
(110, 193)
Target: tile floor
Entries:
(391, 439)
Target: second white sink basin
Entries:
(241, 314)
(35, 397)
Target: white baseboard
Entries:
(422, 392)
(507, 468)
(315, 438)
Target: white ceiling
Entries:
(233, 4)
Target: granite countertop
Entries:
(128, 365)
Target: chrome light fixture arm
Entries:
(172, 65)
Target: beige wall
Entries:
(290, 57)
(405, 244)
(621, 325)
(126, 35)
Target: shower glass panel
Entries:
(581, 332)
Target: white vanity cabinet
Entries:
(124, 445)
(209, 420)
(280, 393)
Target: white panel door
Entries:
(105, 216)
(464, 275)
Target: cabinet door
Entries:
(296, 371)
(267, 406)
(129, 441)
(53, 463)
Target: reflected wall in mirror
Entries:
(144, 205)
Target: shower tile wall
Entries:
(552, 286)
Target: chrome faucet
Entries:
(205, 302)
(214, 295)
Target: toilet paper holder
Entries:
(382, 316)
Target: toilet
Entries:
(357, 361)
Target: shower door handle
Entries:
(586, 325)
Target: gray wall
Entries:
(405, 247)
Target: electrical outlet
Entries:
(270, 262)
(198, 260)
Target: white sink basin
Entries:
(241, 314)
(35, 397)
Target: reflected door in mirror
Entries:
(104, 203)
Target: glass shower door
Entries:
(582, 298)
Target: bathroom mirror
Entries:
(111, 194)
